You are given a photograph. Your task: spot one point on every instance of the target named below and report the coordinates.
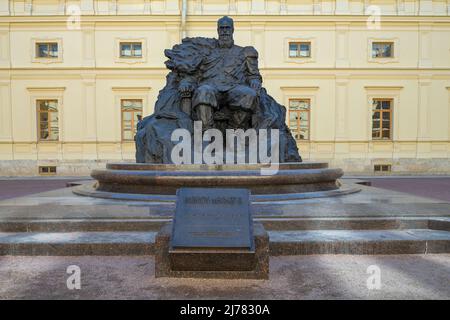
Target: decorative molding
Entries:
(131, 88)
(384, 88)
(300, 88)
(46, 89)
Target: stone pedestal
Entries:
(212, 263)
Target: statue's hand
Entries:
(255, 84)
(185, 88)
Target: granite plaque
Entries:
(212, 218)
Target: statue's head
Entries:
(225, 29)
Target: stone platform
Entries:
(373, 221)
(159, 182)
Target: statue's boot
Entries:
(205, 114)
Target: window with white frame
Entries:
(299, 49)
(382, 49)
(131, 110)
(48, 120)
(47, 50)
(382, 119)
(131, 49)
(299, 118)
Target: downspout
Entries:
(183, 18)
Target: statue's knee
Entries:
(244, 98)
(205, 95)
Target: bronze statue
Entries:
(218, 83)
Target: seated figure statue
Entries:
(218, 83)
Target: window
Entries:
(48, 125)
(299, 49)
(47, 50)
(47, 170)
(131, 113)
(130, 49)
(382, 119)
(382, 49)
(299, 117)
(382, 168)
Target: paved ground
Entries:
(291, 277)
(432, 187)
(436, 187)
(11, 188)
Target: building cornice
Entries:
(340, 20)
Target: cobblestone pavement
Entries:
(291, 277)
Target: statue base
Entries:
(159, 182)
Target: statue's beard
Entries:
(226, 41)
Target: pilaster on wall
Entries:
(341, 112)
(317, 7)
(342, 44)
(113, 7)
(258, 30)
(425, 44)
(425, 7)
(87, 7)
(283, 7)
(19, 8)
(342, 7)
(4, 8)
(5, 60)
(147, 7)
(88, 44)
(173, 34)
(28, 7)
(423, 125)
(5, 110)
(448, 123)
(232, 8)
(258, 7)
(90, 112)
(172, 7)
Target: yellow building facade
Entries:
(366, 82)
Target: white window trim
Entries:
(384, 92)
(133, 93)
(36, 59)
(44, 93)
(134, 60)
(393, 59)
(291, 93)
(313, 48)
